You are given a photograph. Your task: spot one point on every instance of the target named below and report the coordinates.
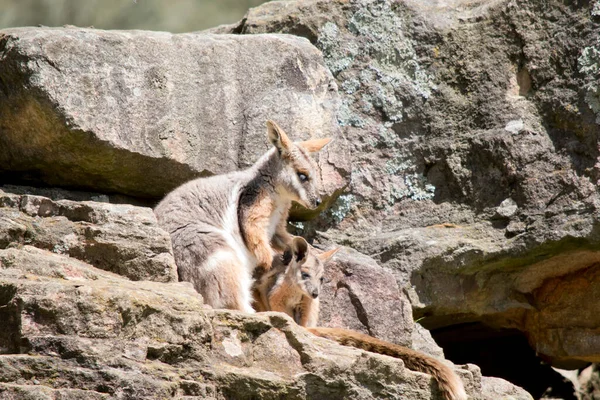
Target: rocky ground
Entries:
(473, 133)
(462, 179)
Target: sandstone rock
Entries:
(450, 108)
(428, 91)
(80, 332)
(122, 238)
(139, 113)
(499, 389)
(360, 295)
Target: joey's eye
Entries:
(302, 177)
(305, 275)
(322, 279)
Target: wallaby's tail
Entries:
(449, 383)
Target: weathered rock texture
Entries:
(71, 330)
(360, 295)
(75, 331)
(139, 113)
(119, 238)
(443, 114)
(473, 128)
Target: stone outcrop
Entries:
(76, 331)
(360, 295)
(139, 113)
(473, 129)
(120, 238)
(469, 133)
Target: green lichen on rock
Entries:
(379, 73)
(342, 207)
(589, 66)
(374, 29)
(338, 56)
(417, 187)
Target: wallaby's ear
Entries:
(325, 257)
(278, 137)
(300, 249)
(286, 257)
(314, 145)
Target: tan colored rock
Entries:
(139, 113)
(120, 238)
(75, 331)
(499, 389)
(101, 333)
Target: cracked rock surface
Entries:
(473, 129)
(139, 113)
(87, 281)
(78, 332)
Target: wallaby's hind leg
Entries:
(226, 283)
(214, 269)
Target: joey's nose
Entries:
(315, 294)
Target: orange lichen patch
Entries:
(444, 225)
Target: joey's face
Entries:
(307, 267)
(310, 277)
(299, 175)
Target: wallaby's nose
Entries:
(315, 294)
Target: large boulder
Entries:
(73, 330)
(139, 113)
(473, 128)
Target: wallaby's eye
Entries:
(305, 275)
(322, 279)
(302, 177)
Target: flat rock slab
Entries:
(139, 113)
(120, 238)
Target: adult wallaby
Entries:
(224, 226)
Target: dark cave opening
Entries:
(503, 353)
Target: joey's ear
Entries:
(278, 137)
(325, 257)
(314, 145)
(286, 257)
(300, 249)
